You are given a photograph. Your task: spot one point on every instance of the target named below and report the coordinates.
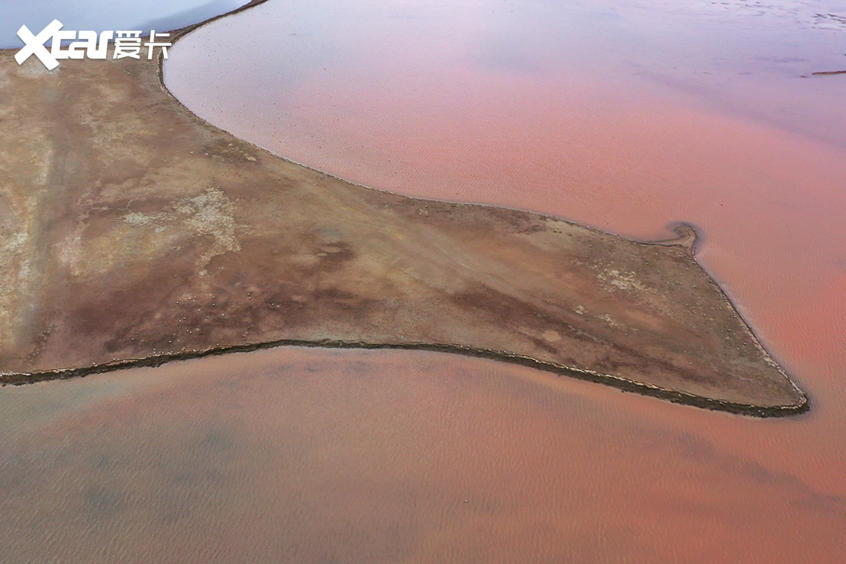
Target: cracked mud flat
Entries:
(135, 233)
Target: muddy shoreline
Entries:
(652, 310)
(23, 379)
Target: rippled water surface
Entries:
(623, 115)
(310, 455)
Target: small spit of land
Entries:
(132, 232)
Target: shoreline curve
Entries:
(687, 237)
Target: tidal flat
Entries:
(354, 455)
(142, 234)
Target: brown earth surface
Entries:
(132, 232)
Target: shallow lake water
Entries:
(625, 117)
(360, 456)
(102, 15)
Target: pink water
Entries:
(626, 117)
(386, 456)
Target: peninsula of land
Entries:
(134, 233)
